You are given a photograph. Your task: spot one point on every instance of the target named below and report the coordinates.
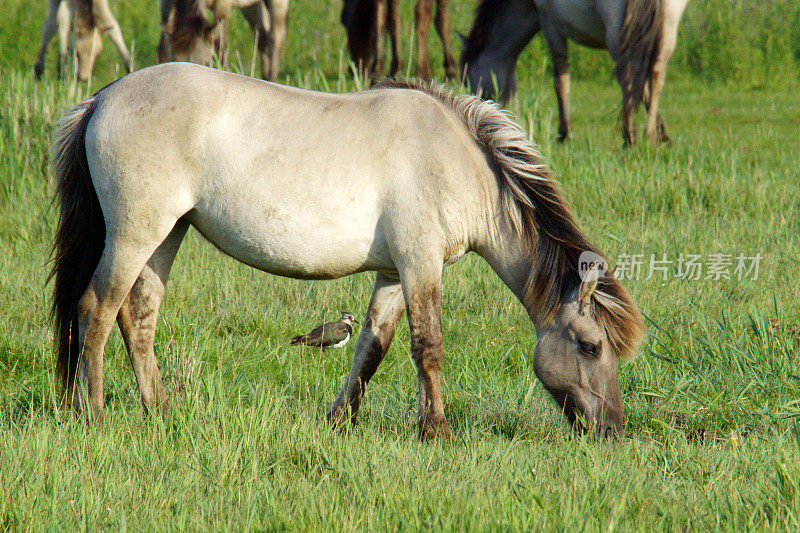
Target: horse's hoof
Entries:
(38, 70)
(439, 430)
(338, 417)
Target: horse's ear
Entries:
(461, 37)
(588, 285)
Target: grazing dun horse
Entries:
(367, 20)
(402, 180)
(93, 18)
(187, 35)
(640, 35)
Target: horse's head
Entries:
(577, 364)
(490, 77)
(489, 54)
(88, 45)
(187, 35)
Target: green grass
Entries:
(243, 446)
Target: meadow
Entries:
(712, 402)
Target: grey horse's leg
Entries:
(442, 23)
(105, 21)
(422, 290)
(138, 316)
(557, 44)
(612, 13)
(48, 30)
(385, 310)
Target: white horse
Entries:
(639, 35)
(92, 19)
(402, 180)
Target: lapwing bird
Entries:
(328, 335)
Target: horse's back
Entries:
(291, 181)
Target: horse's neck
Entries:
(511, 258)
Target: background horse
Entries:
(640, 35)
(367, 20)
(93, 18)
(187, 35)
(402, 181)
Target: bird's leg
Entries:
(385, 309)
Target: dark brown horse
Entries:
(366, 21)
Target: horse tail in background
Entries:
(639, 45)
(80, 236)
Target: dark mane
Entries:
(486, 14)
(536, 207)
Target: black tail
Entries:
(80, 237)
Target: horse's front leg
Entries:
(557, 44)
(423, 295)
(385, 309)
(394, 35)
(422, 18)
(48, 30)
(107, 24)
(278, 13)
(442, 23)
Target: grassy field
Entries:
(712, 402)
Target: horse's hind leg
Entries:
(48, 30)
(442, 23)
(656, 126)
(138, 316)
(120, 264)
(422, 289)
(105, 20)
(385, 309)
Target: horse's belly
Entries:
(580, 22)
(292, 243)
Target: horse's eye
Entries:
(589, 349)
